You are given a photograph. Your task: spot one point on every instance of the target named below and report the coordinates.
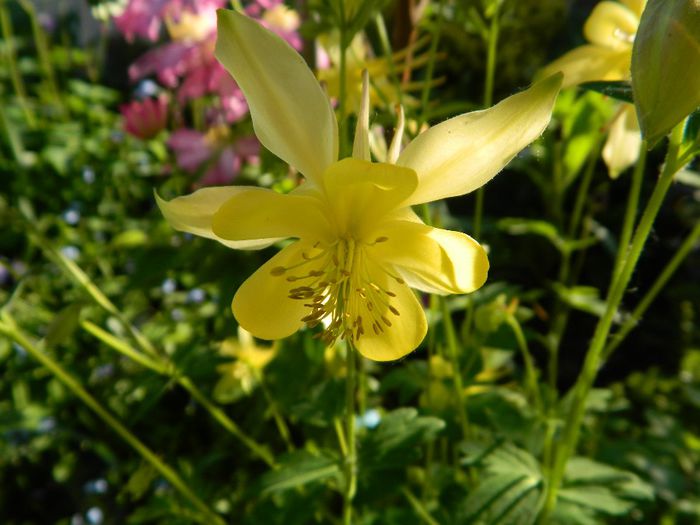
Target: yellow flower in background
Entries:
(382, 92)
(359, 248)
(610, 29)
(241, 376)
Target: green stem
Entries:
(418, 507)
(42, 50)
(280, 423)
(668, 271)
(388, 54)
(81, 279)
(8, 328)
(560, 316)
(15, 75)
(453, 351)
(530, 370)
(351, 449)
(630, 211)
(342, 92)
(566, 446)
(430, 69)
(494, 31)
(168, 370)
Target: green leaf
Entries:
(599, 499)
(63, 325)
(619, 89)
(504, 499)
(584, 298)
(666, 65)
(298, 469)
(394, 442)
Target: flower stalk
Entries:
(350, 466)
(566, 446)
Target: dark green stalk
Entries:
(566, 446)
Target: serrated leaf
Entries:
(503, 499)
(392, 442)
(298, 469)
(618, 89)
(599, 499)
(666, 65)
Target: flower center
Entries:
(343, 289)
(624, 36)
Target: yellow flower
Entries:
(610, 29)
(359, 247)
(382, 91)
(241, 376)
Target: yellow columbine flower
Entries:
(610, 29)
(241, 376)
(359, 247)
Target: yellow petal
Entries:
(611, 25)
(257, 213)
(360, 147)
(407, 329)
(262, 304)
(291, 115)
(636, 6)
(463, 153)
(624, 142)
(590, 63)
(395, 148)
(361, 193)
(193, 214)
(432, 259)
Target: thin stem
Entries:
(453, 351)
(418, 506)
(42, 50)
(494, 31)
(631, 210)
(351, 455)
(491, 50)
(8, 327)
(15, 75)
(430, 68)
(530, 370)
(342, 92)
(280, 423)
(83, 280)
(388, 54)
(566, 446)
(168, 370)
(560, 316)
(668, 271)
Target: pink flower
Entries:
(215, 151)
(144, 18)
(145, 119)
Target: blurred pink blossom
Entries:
(187, 62)
(144, 18)
(194, 150)
(145, 119)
